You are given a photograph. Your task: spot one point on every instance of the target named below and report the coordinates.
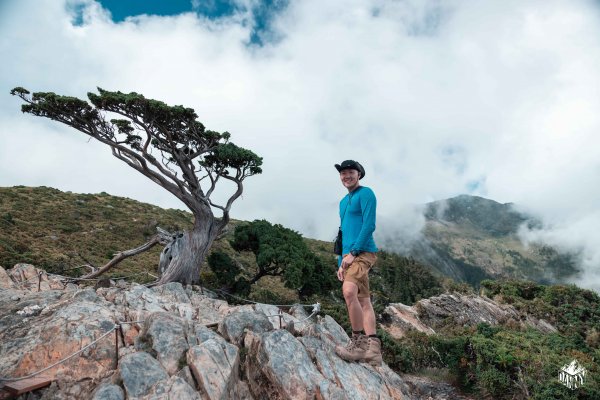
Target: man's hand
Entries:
(346, 262)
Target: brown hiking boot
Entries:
(373, 352)
(354, 350)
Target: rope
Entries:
(71, 278)
(255, 302)
(2, 379)
(58, 362)
(316, 309)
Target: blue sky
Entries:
(262, 11)
(435, 98)
(121, 9)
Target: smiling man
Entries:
(357, 216)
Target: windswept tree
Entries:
(168, 145)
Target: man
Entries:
(357, 215)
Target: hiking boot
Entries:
(354, 350)
(372, 353)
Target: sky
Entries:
(498, 99)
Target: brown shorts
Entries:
(358, 272)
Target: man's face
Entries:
(349, 178)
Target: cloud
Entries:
(434, 98)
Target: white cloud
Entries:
(432, 97)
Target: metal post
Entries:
(116, 347)
(39, 280)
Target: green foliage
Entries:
(504, 363)
(280, 251)
(397, 279)
(224, 267)
(574, 311)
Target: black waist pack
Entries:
(337, 244)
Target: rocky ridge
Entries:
(173, 342)
(430, 315)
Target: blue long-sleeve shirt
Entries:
(357, 216)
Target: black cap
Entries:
(351, 164)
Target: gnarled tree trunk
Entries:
(180, 261)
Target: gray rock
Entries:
(174, 388)
(436, 312)
(186, 374)
(214, 364)
(109, 392)
(353, 380)
(278, 366)
(28, 343)
(200, 333)
(172, 292)
(5, 281)
(233, 326)
(140, 372)
(288, 321)
(165, 334)
(87, 294)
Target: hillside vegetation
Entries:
(509, 361)
(59, 231)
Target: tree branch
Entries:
(156, 239)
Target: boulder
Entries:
(215, 366)
(109, 391)
(278, 366)
(437, 312)
(174, 388)
(5, 281)
(46, 328)
(401, 318)
(234, 325)
(165, 335)
(28, 277)
(140, 372)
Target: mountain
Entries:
(470, 238)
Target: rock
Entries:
(327, 330)
(272, 313)
(215, 363)
(28, 277)
(174, 388)
(172, 292)
(59, 330)
(177, 356)
(209, 310)
(186, 374)
(164, 333)
(456, 309)
(354, 380)
(426, 389)
(139, 301)
(140, 372)
(5, 281)
(278, 366)
(109, 391)
(400, 318)
(200, 334)
(233, 326)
